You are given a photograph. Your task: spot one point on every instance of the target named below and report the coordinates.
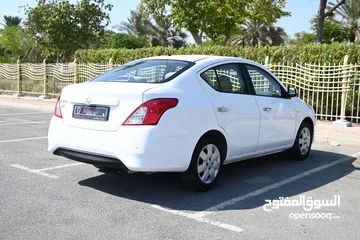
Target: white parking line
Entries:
(21, 139)
(20, 123)
(61, 166)
(14, 114)
(34, 171)
(199, 219)
(41, 171)
(271, 187)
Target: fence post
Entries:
(110, 63)
(76, 76)
(18, 79)
(45, 96)
(266, 61)
(344, 91)
(45, 76)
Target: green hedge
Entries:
(311, 53)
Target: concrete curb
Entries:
(28, 106)
(27, 102)
(341, 140)
(327, 133)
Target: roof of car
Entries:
(206, 60)
(191, 58)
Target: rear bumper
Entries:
(94, 159)
(137, 148)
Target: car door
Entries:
(278, 113)
(236, 110)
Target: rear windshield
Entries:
(146, 71)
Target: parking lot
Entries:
(43, 196)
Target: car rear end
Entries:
(118, 121)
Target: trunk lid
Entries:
(121, 98)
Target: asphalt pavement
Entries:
(43, 196)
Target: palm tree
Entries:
(350, 13)
(254, 34)
(163, 33)
(10, 21)
(137, 24)
(159, 30)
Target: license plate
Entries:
(93, 113)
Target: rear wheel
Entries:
(303, 141)
(206, 162)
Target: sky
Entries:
(301, 12)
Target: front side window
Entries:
(225, 78)
(146, 71)
(263, 83)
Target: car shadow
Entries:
(237, 179)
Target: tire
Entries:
(204, 170)
(106, 169)
(302, 145)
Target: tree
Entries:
(61, 27)
(163, 33)
(9, 21)
(322, 15)
(215, 18)
(350, 13)
(137, 24)
(122, 40)
(15, 41)
(303, 38)
(334, 31)
(258, 34)
(158, 29)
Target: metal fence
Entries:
(332, 90)
(46, 79)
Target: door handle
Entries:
(222, 109)
(267, 109)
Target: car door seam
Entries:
(257, 104)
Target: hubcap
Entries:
(304, 140)
(208, 163)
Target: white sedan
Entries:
(188, 114)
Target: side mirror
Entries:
(292, 92)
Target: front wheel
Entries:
(206, 162)
(301, 149)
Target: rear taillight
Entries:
(150, 112)
(57, 111)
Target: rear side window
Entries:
(146, 71)
(225, 78)
(230, 79)
(210, 77)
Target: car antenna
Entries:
(167, 47)
(167, 51)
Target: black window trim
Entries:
(217, 78)
(284, 93)
(239, 71)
